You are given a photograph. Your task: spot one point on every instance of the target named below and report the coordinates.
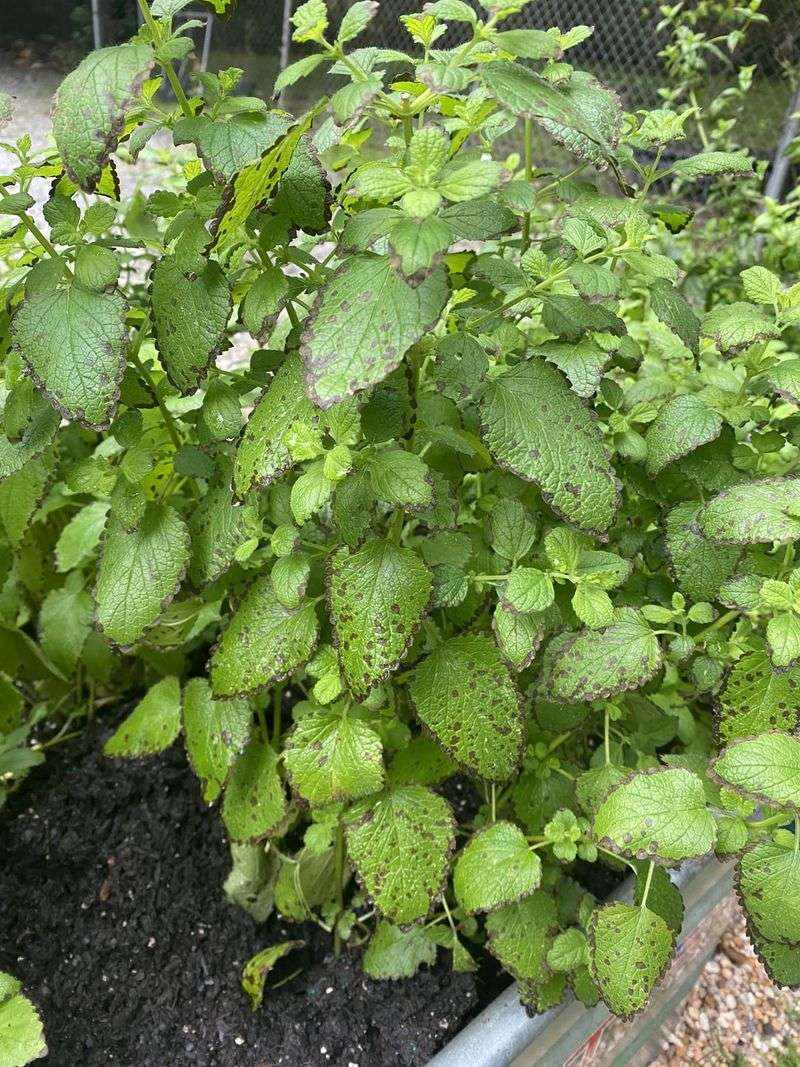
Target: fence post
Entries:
(286, 38)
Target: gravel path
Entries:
(735, 1017)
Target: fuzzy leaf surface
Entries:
(519, 935)
(769, 889)
(630, 949)
(363, 322)
(377, 598)
(215, 733)
(755, 698)
(254, 805)
(332, 756)
(538, 428)
(394, 953)
(599, 665)
(753, 513)
(401, 850)
(496, 868)
(465, 695)
(766, 767)
(153, 724)
(683, 424)
(264, 642)
(660, 815)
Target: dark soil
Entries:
(113, 917)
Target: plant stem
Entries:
(494, 803)
(723, 620)
(339, 883)
(765, 824)
(262, 724)
(526, 221)
(49, 248)
(166, 65)
(606, 738)
(650, 870)
(277, 708)
(169, 422)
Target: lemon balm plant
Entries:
(485, 496)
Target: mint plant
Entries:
(479, 491)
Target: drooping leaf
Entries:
(785, 380)
(262, 454)
(304, 194)
(377, 598)
(538, 428)
(153, 724)
(668, 305)
(22, 493)
(736, 326)
(81, 536)
(401, 851)
(396, 953)
(768, 882)
(756, 698)
(465, 695)
(254, 974)
(766, 768)
(630, 949)
(660, 815)
(229, 143)
(712, 163)
(519, 636)
(263, 643)
(251, 882)
(753, 513)
(254, 804)
(139, 572)
(21, 1031)
(333, 755)
(598, 665)
(519, 935)
(663, 896)
(363, 321)
(699, 567)
(90, 105)
(496, 868)
(190, 316)
(683, 424)
(780, 961)
(218, 529)
(65, 620)
(73, 340)
(37, 433)
(215, 733)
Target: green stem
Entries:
(262, 723)
(339, 883)
(396, 526)
(723, 620)
(494, 803)
(49, 248)
(169, 422)
(526, 221)
(650, 870)
(606, 737)
(166, 65)
(765, 824)
(277, 708)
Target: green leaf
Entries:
(377, 597)
(65, 620)
(262, 455)
(630, 949)
(215, 733)
(190, 317)
(657, 815)
(228, 144)
(528, 589)
(699, 567)
(264, 301)
(96, 267)
(402, 478)
(264, 643)
(421, 762)
(90, 105)
(571, 317)
(765, 768)
(394, 953)
(153, 724)
(583, 363)
(768, 883)
(332, 756)
(74, 342)
(593, 606)
(301, 68)
(538, 428)
(528, 44)
(22, 493)
(599, 119)
(254, 974)
(785, 380)
(418, 245)
(760, 285)
(218, 529)
(736, 326)
(251, 882)
(753, 513)
(712, 163)
(254, 805)
(663, 896)
(755, 698)
(304, 194)
(668, 305)
(780, 961)
(401, 851)
(21, 1030)
(465, 695)
(30, 440)
(513, 531)
(496, 868)
(139, 573)
(362, 323)
(783, 639)
(599, 665)
(519, 636)
(683, 424)
(519, 935)
(525, 93)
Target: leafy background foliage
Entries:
(504, 486)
